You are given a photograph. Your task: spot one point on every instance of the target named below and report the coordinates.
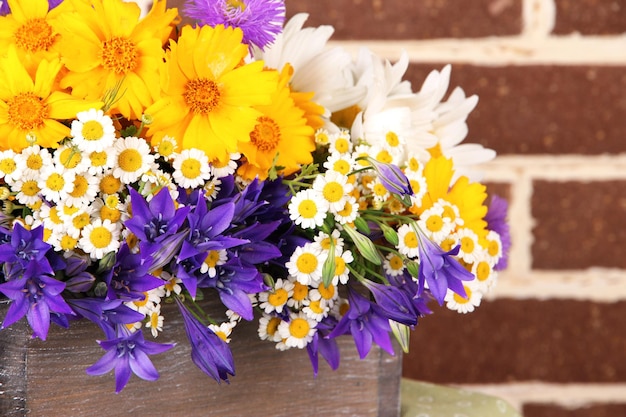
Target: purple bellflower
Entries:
(105, 313)
(208, 351)
(395, 304)
(130, 276)
(440, 269)
(324, 346)
(128, 353)
(496, 221)
(367, 324)
(26, 246)
(392, 177)
(259, 20)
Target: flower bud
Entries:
(364, 245)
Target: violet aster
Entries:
(259, 20)
(128, 353)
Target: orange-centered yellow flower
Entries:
(107, 46)
(31, 109)
(32, 30)
(208, 92)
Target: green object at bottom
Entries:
(421, 399)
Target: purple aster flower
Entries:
(395, 304)
(128, 353)
(439, 269)
(35, 296)
(496, 221)
(367, 324)
(259, 20)
(208, 351)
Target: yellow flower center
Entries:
(212, 258)
(316, 307)
(34, 35)
(340, 266)
(266, 134)
(448, 212)
(7, 165)
(130, 160)
(92, 130)
(55, 182)
(68, 243)
(414, 164)
(483, 271)
(493, 249)
(415, 186)
(396, 263)
(346, 210)
(100, 237)
(300, 291)
(392, 139)
(434, 223)
(278, 297)
(54, 216)
(379, 190)
(112, 201)
(467, 244)
(98, 159)
(201, 95)
(342, 145)
(307, 263)
(447, 244)
(462, 300)
(80, 221)
(26, 111)
(119, 55)
(272, 325)
(70, 158)
(341, 166)
(30, 188)
(80, 186)
(154, 323)
(166, 147)
(69, 210)
(333, 191)
(109, 184)
(299, 328)
(410, 240)
(327, 293)
(34, 162)
(307, 209)
(143, 302)
(235, 4)
(190, 168)
(384, 156)
(112, 214)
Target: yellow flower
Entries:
(106, 46)
(31, 109)
(208, 92)
(32, 30)
(281, 133)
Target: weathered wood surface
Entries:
(48, 378)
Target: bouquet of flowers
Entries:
(239, 158)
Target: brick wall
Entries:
(551, 77)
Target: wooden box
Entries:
(48, 378)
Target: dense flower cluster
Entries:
(239, 159)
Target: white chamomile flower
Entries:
(485, 275)
(50, 218)
(419, 187)
(101, 161)
(212, 188)
(27, 190)
(379, 191)
(451, 211)
(9, 166)
(132, 160)
(298, 331)
(155, 320)
(334, 188)
(308, 209)
(213, 259)
(268, 328)
(78, 221)
(316, 309)
(56, 183)
(65, 244)
(435, 225)
(166, 148)
(348, 213)
(151, 298)
(340, 142)
(305, 265)
(464, 304)
(470, 250)
(227, 167)
(322, 242)
(328, 294)
(414, 165)
(191, 168)
(408, 241)
(34, 159)
(100, 238)
(300, 294)
(341, 163)
(172, 283)
(384, 155)
(276, 298)
(322, 137)
(393, 264)
(84, 190)
(92, 131)
(494, 247)
(71, 159)
(342, 273)
(223, 330)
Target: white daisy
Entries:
(34, 159)
(276, 298)
(340, 143)
(65, 244)
(305, 265)
(191, 168)
(308, 209)
(341, 163)
(342, 273)
(328, 294)
(393, 265)
(494, 247)
(223, 330)
(322, 242)
(334, 188)
(322, 137)
(464, 304)
(56, 183)
(379, 191)
(298, 331)
(470, 250)
(486, 277)
(84, 191)
(316, 309)
(213, 259)
(133, 159)
(419, 187)
(408, 241)
(155, 320)
(9, 166)
(77, 221)
(100, 238)
(300, 294)
(435, 225)
(227, 167)
(49, 216)
(92, 131)
(348, 213)
(27, 190)
(166, 148)
(212, 188)
(100, 162)
(268, 328)
(172, 283)
(71, 159)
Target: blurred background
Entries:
(551, 78)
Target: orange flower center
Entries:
(201, 95)
(119, 55)
(266, 134)
(34, 35)
(27, 111)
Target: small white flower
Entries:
(485, 275)
(305, 265)
(340, 142)
(322, 242)
(298, 331)
(276, 298)
(316, 309)
(27, 190)
(9, 166)
(300, 294)
(464, 305)
(213, 259)
(102, 161)
(408, 241)
(71, 159)
(308, 209)
(56, 183)
(268, 328)
(226, 168)
(132, 159)
(348, 213)
(34, 158)
(191, 168)
(334, 188)
(166, 148)
(155, 320)
(84, 190)
(223, 330)
(100, 238)
(494, 247)
(341, 163)
(435, 225)
(92, 131)
(342, 273)
(393, 265)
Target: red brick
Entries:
(595, 410)
(401, 19)
(509, 340)
(590, 17)
(540, 109)
(579, 225)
